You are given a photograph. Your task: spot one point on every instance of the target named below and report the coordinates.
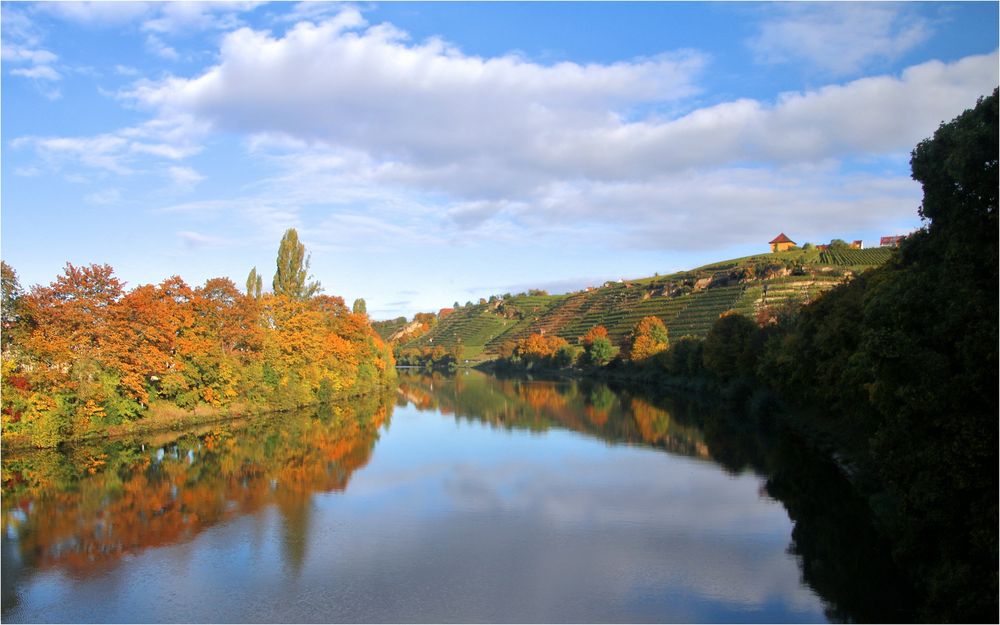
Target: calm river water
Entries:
(454, 498)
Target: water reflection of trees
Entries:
(843, 556)
(535, 405)
(84, 508)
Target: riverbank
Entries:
(164, 417)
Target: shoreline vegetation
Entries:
(83, 358)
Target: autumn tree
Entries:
(292, 277)
(597, 347)
(541, 348)
(648, 338)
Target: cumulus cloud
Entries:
(839, 38)
(428, 115)
(372, 90)
(419, 141)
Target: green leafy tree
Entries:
(601, 351)
(292, 277)
(360, 307)
(255, 284)
(9, 301)
(728, 347)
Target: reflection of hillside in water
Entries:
(84, 508)
(581, 406)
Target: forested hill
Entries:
(687, 302)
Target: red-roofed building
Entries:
(781, 243)
(890, 241)
(858, 245)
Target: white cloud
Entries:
(398, 139)
(16, 54)
(424, 101)
(38, 72)
(119, 152)
(156, 46)
(840, 38)
(100, 151)
(182, 17)
(374, 139)
(184, 177)
(98, 13)
(126, 70)
(425, 114)
(158, 17)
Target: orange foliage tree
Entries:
(648, 339)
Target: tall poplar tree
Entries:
(292, 276)
(255, 284)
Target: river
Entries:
(463, 498)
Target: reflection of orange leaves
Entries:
(150, 502)
(542, 396)
(96, 463)
(653, 422)
(597, 417)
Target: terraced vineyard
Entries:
(687, 302)
(705, 307)
(470, 328)
(385, 329)
(871, 256)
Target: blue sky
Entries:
(438, 152)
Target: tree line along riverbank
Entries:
(83, 357)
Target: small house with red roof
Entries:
(781, 243)
(890, 241)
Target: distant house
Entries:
(857, 245)
(890, 241)
(822, 247)
(781, 243)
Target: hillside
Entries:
(688, 302)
